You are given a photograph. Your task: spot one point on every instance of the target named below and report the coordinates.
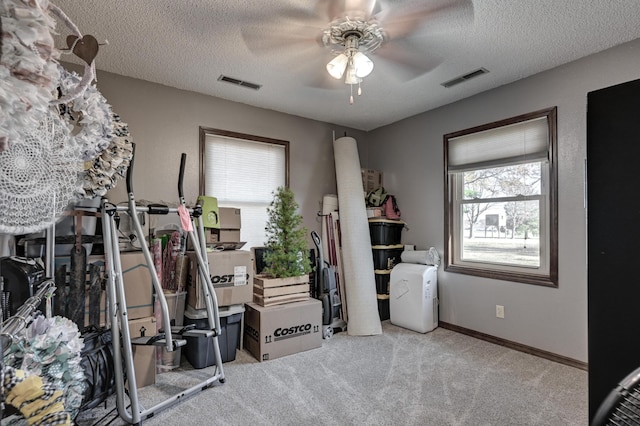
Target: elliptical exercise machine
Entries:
(170, 337)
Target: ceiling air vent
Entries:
(465, 77)
(237, 82)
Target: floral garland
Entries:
(28, 67)
(111, 164)
(51, 350)
(91, 113)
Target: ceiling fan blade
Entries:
(354, 9)
(408, 61)
(269, 38)
(437, 15)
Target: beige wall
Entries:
(550, 319)
(164, 123)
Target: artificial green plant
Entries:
(287, 253)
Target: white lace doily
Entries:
(38, 177)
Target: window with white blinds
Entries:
(243, 171)
(501, 186)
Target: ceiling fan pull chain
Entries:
(351, 97)
(359, 89)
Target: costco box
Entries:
(144, 357)
(137, 285)
(231, 273)
(275, 331)
(199, 349)
(229, 218)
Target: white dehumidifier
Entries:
(413, 297)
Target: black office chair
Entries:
(622, 405)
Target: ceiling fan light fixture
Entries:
(337, 66)
(351, 76)
(362, 64)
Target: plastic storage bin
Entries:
(383, 307)
(413, 296)
(385, 232)
(382, 281)
(386, 257)
(199, 350)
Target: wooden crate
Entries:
(274, 291)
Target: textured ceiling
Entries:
(188, 44)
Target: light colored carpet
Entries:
(398, 378)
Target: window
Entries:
(243, 171)
(501, 207)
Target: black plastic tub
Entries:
(382, 281)
(383, 307)
(199, 350)
(386, 257)
(385, 232)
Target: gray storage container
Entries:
(199, 350)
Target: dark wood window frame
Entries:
(550, 279)
(204, 131)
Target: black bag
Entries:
(97, 363)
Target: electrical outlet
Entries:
(499, 311)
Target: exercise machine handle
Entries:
(183, 161)
(130, 169)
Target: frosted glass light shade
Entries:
(336, 67)
(362, 64)
(351, 77)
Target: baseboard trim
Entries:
(516, 346)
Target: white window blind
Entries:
(244, 174)
(520, 142)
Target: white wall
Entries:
(410, 153)
(164, 123)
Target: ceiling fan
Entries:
(343, 35)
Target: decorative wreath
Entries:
(90, 112)
(111, 164)
(28, 69)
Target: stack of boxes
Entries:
(283, 319)
(229, 229)
(269, 331)
(231, 273)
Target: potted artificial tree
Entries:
(285, 277)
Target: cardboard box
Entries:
(138, 288)
(229, 218)
(231, 273)
(137, 284)
(371, 179)
(144, 357)
(222, 235)
(275, 331)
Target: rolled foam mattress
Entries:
(360, 282)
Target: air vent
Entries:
(237, 82)
(465, 77)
